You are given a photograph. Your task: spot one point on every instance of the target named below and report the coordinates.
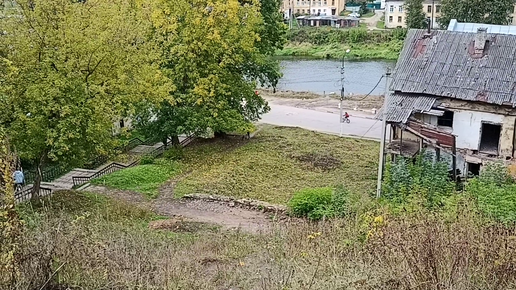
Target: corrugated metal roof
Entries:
(401, 107)
(442, 65)
(473, 27)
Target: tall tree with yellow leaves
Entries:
(75, 68)
(215, 52)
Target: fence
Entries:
(26, 194)
(131, 144)
(47, 175)
(161, 149)
(114, 166)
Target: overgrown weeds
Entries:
(263, 168)
(85, 246)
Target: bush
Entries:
(326, 36)
(318, 203)
(423, 177)
(496, 173)
(494, 192)
(147, 159)
(314, 203)
(174, 153)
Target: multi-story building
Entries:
(395, 13)
(314, 7)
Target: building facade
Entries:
(314, 7)
(395, 13)
(453, 97)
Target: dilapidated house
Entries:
(453, 95)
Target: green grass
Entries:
(144, 178)
(387, 51)
(380, 24)
(268, 167)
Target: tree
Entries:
(477, 11)
(415, 16)
(10, 226)
(76, 67)
(215, 54)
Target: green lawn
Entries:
(273, 165)
(380, 24)
(144, 178)
(276, 163)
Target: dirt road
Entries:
(358, 104)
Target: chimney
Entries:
(429, 25)
(480, 40)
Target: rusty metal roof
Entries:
(443, 65)
(401, 107)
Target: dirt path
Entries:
(224, 214)
(372, 21)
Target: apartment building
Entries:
(395, 13)
(314, 7)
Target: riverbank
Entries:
(328, 43)
(381, 51)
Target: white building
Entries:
(395, 13)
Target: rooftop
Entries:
(477, 67)
(473, 27)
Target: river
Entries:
(323, 76)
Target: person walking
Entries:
(19, 179)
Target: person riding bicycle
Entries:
(346, 116)
(19, 179)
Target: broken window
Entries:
(446, 119)
(490, 138)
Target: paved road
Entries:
(322, 122)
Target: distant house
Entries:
(454, 93)
(333, 21)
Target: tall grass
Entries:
(333, 43)
(88, 242)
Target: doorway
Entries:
(474, 169)
(490, 138)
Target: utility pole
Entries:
(381, 162)
(433, 8)
(291, 14)
(342, 91)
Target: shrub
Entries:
(147, 159)
(496, 173)
(174, 153)
(314, 203)
(423, 177)
(494, 192)
(318, 203)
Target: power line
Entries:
(370, 128)
(377, 84)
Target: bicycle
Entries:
(346, 120)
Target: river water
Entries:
(323, 76)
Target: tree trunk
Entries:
(165, 141)
(175, 141)
(39, 176)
